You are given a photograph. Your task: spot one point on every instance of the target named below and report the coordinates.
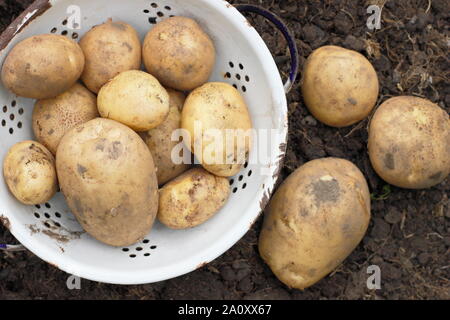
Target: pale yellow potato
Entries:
(192, 198)
(340, 86)
(409, 142)
(43, 66)
(29, 172)
(179, 53)
(214, 109)
(110, 48)
(314, 221)
(108, 178)
(159, 141)
(52, 118)
(134, 98)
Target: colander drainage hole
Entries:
(47, 215)
(146, 241)
(246, 165)
(235, 190)
(154, 5)
(238, 76)
(244, 88)
(125, 249)
(231, 64)
(64, 22)
(21, 111)
(241, 66)
(38, 206)
(147, 254)
(250, 173)
(37, 215)
(3, 123)
(19, 125)
(241, 178)
(247, 78)
(11, 130)
(132, 256)
(244, 186)
(160, 14)
(47, 205)
(58, 215)
(153, 247)
(139, 249)
(53, 30)
(13, 103)
(64, 32)
(146, 11)
(152, 20)
(231, 182)
(228, 75)
(235, 86)
(74, 35)
(5, 109)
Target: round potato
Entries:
(29, 172)
(108, 177)
(218, 122)
(179, 53)
(110, 48)
(192, 198)
(409, 142)
(134, 98)
(159, 141)
(52, 118)
(314, 221)
(340, 86)
(43, 66)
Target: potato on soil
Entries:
(314, 221)
(134, 98)
(29, 171)
(179, 53)
(409, 142)
(340, 86)
(223, 138)
(109, 48)
(159, 140)
(43, 66)
(52, 118)
(192, 198)
(108, 177)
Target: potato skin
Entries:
(159, 140)
(192, 198)
(108, 177)
(134, 98)
(314, 221)
(409, 142)
(52, 118)
(179, 53)
(109, 48)
(29, 171)
(217, 106)
(43, 66)
(340, 86)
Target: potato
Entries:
(409, 142)
(340, 86)
(179, 53)
(29, 172)
(109, 48)
(134, 98)
(314, 221)
(52, 118)
(108, 177)
(216, 108)
(43, 66)
(159, 140)
(192, 198)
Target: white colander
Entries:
(50, 230)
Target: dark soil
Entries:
(408, 237)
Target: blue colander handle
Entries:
(287, 33)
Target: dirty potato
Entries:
(110, 48)
(43, 66)
(108, 177)
(340, 86)
(218, 122)
(314, 221)
(134, 98)
(179, 53)
(29, 172)
(409, 142)
(52, 118)
(159, 140)
(192, 198)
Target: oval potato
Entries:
(192, 198)
(52, 118)
(43, 66)
(29, 171)
(340, 86)
(179, 53)
(409, 142)
(134, 98)
(107, 175)
(159, 140)
(208, 113)
(314, 221)
(110, 48)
